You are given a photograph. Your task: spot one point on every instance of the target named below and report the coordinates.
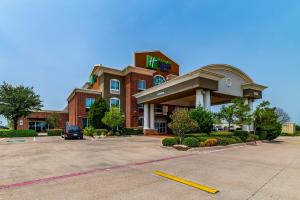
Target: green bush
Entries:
(18, 133)
(273, 134)
(132, 131)
(262, 135)
(54, 132)
(237, 139)
(191, 142)
(99, 132)
(226, 141)
(196, 135)
(88, 132)
(252, 137)
(169, 142)
(222, 134)
(241, 134)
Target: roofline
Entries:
(179, 79)
(103, 69)
(88, 91)
(52, 111)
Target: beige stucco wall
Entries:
(289, 128)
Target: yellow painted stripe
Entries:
(186, 182)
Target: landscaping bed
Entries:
(196, 140)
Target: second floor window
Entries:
(89, 102)
(142, 85)
(114, 86)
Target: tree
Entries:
(113, 118)
(18, 101)
(227, 113)
(204, 119)
(53, 120)
(97, 112)
(266, 120)
(182, 123)
(242, 112)
(283, 116)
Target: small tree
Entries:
(113, 118)
(227, 114)
(283, 117)
(204, 119)
(97, 112)
(242, 112)
(266, 119)
(182, 122)
(18, 101)
(53, 120)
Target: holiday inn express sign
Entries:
(157, 63)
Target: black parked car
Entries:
(72, 132)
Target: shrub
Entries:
(54, 132)
(169, 142)
(262, 135)
(195, 135)
(190, 142)
(204, 119)
(226, 141)
(252, 137)
(237, 139)
(273, 134)
(18, 133)
(132, 131)
(209, 142)
(241, 134)
(222, 134)
(88, 132)
(99, 132)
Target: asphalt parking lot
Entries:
(122, 168)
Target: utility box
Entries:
(289, 128)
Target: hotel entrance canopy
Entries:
(209, 85)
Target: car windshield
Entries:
(73, 128)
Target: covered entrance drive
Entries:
(207, 86)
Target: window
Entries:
(114, 86)
(158, 79)
(158, 108)
(141, 121)
(140, 107)
(142, 85)
(89, 102)
(115, 102)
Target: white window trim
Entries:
(139, 84)
(114, 91)
(114, 98)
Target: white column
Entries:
(146, 116)
(199, 98)
(152, 116)
(249, 128)
(207, 101)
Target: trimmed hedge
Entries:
(169, 142)
(132, 131)
(195, 135)
(223, 141)
(191, 142)
(252, 137)
(54, 132)
(99, 132)
(209, 142)
(222, 134)
(18, 133)
(242, 134)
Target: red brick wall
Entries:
(41, 116)
(131, 88)
(77, 109)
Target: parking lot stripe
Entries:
(53, 178)
(187, 182)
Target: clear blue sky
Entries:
(52, 45)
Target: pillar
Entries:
(152, 117)
(146, 116)
(207, 100)
(199, 98)
(249, 128)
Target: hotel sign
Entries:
(157, 63)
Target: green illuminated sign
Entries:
(155, 63)
(92, 79)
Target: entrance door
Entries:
(161, 126)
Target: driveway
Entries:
(122, 168)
